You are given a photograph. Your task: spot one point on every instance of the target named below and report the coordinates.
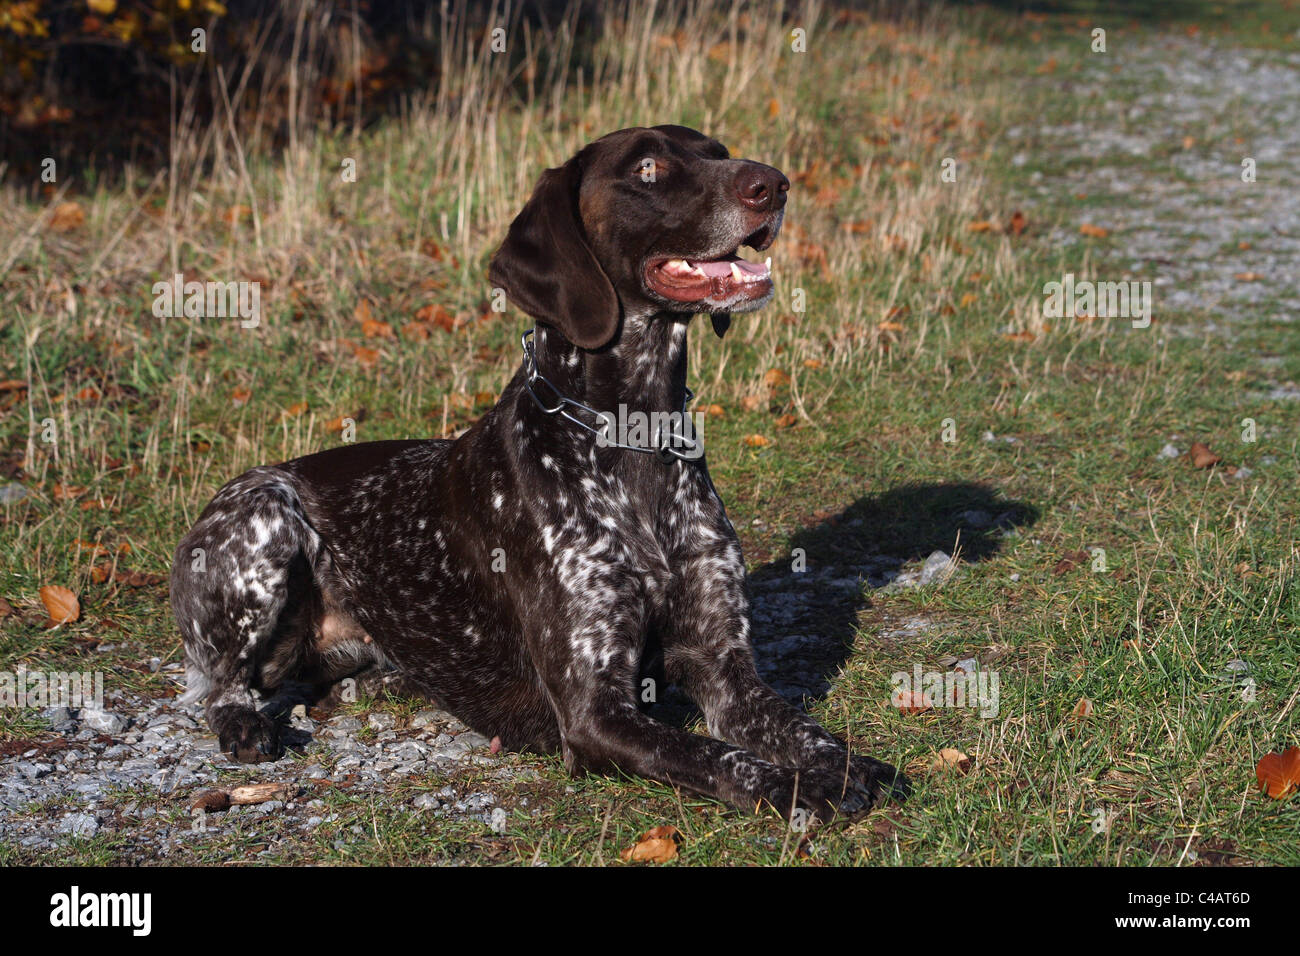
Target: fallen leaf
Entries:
(656, 845)
(1017, 223)
(776, 378)
(374, 329)
(1069, 561)
(757, 441)
(785, 421)
(138, 579)
(911, 702)
(982, 225)
(1097, 232)
(61, 604)
(813, 363)
(1025, 336)
(949, 758)
(235, 213)
(1082, 709)
(67, 216)
(362, 311)
(294, 410)
(6, 609)
(240, 396)
(1279, 774)
(1248, 276)
(437, 316)
(750, 402)
(1201, 455)
(715, 411)
(248, 794)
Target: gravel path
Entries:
(1159, 157)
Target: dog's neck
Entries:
(643, 369)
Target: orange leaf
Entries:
(1248, 276)
(240, 396)
(1082, 709)
(61, 604)
(950, 758)
(1279, 774)
(362, 311)
(1017, 223)
(750, 402)
(67, 216)
(1201, 455)
(982, 225)
(813, 363)
(785, 421)
(1097, 232)
(234, 214)
(715, 411)
(436, 315)
(656, 845)
(911, 702)
(775, 378)
(757, 441)
(294, 410)
(374, 329)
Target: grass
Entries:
(909, 321)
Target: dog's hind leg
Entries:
(241, 591)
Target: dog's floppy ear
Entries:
(547, 268)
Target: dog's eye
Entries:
(649, 169)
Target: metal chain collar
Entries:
(673, 447)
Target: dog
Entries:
(524, 575)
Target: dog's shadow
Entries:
(806, 604)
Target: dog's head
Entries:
(642, 220)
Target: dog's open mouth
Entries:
(728, 279)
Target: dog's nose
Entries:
(761, 188)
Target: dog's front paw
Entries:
(245, 734)
(820, 795)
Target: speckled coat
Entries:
(523, 575)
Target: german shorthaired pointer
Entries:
(523, 575)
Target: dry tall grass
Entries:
(873, 237)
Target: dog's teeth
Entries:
(768, 264)
(736, 273)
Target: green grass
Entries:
(1200, 569)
